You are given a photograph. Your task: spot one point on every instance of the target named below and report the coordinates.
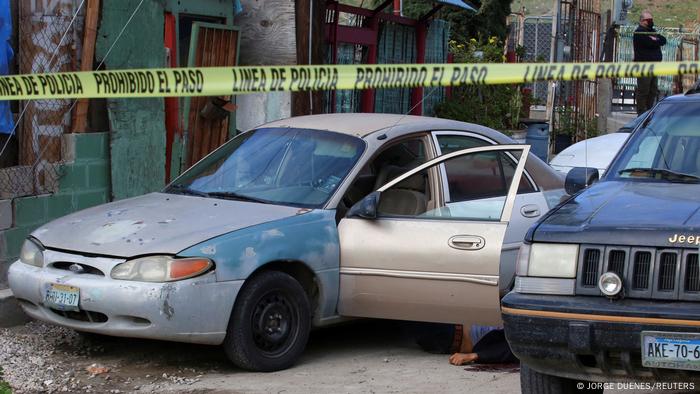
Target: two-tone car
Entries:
(298, 223)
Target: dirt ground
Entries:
(366, 356)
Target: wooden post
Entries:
(92, 15)
(417, 92)
(307, 103)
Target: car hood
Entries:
(154, 223)
(600, 152)
(626, 213)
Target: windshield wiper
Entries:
(184, 189)
(236, 196)
(665, 174)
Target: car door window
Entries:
(393, 161)
(477, 186)
(449, 143)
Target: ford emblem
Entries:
(77, 268)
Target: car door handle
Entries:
(467, 242)
(530, 211)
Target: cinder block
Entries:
(91, 146)
(98, 175)
(30, 210)
(14, 238)
(68, 147)
(3, 247)
(60, 205)
(5, 214)
(73, 176)
(10, 312)
(87, 199)
(4, 267)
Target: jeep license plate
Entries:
(672, 350)
(62, 297)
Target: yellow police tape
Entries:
(224, 81)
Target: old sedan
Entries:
(294, 224)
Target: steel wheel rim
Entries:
(275, 323)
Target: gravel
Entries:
(39, 357)
(27, 354)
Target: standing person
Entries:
(647, 48)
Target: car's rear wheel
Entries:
(533, 382)
(270, 323)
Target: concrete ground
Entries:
(361, 357)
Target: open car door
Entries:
(426, 246)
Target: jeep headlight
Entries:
(161, 269)
(31, 253)
(551, 260)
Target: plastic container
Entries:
(537, 136)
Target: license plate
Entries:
(672, 350)
(62, 297)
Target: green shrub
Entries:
(495, 106)
(4, 387)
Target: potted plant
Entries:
(564, 128)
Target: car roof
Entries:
(364, 124)
(690, 96)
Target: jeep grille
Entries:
(648, 273)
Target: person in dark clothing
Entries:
(647, 48)
(479, 344)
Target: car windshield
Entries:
(285, 166)
(666, 148)
(629, 126)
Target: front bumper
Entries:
(593, 338)
(195, 310)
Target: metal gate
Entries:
(579, 39)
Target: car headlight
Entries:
(552, 260)
(31, 254)
(161, 269)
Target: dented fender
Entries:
(310, 237)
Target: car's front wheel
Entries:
(533, 382)
(270, 323)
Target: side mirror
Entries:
(579, 178)
(365, 208)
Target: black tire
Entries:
(270, 323)
(533, 382)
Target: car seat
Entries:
(408, 198)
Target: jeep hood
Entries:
(154, 223)
(625, 213)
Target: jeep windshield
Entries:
(665, 149)
(285, 166)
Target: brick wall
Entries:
(84, 181)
